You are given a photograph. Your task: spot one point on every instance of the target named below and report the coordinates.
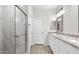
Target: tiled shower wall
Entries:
(7, 40)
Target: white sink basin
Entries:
(73, 41)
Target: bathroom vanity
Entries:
(63, 44)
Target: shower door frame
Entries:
(26, 28)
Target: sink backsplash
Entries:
(72, 35)
(68, 34)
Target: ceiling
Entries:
(44, 10)
(53, 7)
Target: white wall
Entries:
(70, 19)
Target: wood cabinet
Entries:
(59, 46)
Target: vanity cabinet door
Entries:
(56, 45)
(58, 48)
(71, 49)
(61, 49)
(51, 42)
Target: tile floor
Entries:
(41, 49)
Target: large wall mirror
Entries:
(59, 24)
(59, 21)
(53, 25)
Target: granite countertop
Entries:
(74, 41)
